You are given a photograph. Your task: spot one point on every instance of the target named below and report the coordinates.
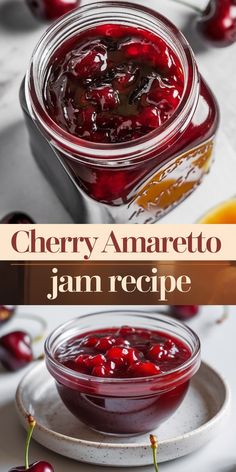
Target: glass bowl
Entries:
(126, 406)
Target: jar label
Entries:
(171, 184)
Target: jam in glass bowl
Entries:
(118, 113)
(124, 372)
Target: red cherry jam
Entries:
(124, 353)
(113, 84)
(135, 355)
(114, 98)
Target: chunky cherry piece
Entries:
(113, 84)
(105, 343)
(144, 369)
(40, 466)
(158, 352)
(6, 313)
(51, 9)
(17, 218)
(15, 350)
(184, 312)
(138, 353)
(217, 24)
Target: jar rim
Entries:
(118, 152)
(190, 365)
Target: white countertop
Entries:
(218, 349)
(23, 187)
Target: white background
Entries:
(218, 349)
(22, 186)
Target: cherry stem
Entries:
(32, 424)
(38, 320)
(154, 446)
(224, 315)
(186, 4)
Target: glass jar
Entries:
(122, 406)
(137, 181)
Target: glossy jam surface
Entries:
(113, 84)
(106, 85)
(124, 353)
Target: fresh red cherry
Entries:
(15, 350)
(6, 313)
(51, 9)
(40, 466)
(217, 23)
(184, 312)
(17, 218)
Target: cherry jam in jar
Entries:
(114, 92)
(122, 379)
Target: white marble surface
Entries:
(22, 186)
(218, 349)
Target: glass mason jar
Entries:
(122, 406)
(133, 182)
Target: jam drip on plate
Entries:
(124, 353)
(113, 84)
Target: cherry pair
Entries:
(217, 23)
(43, 466)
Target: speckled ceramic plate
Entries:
(196, 422)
